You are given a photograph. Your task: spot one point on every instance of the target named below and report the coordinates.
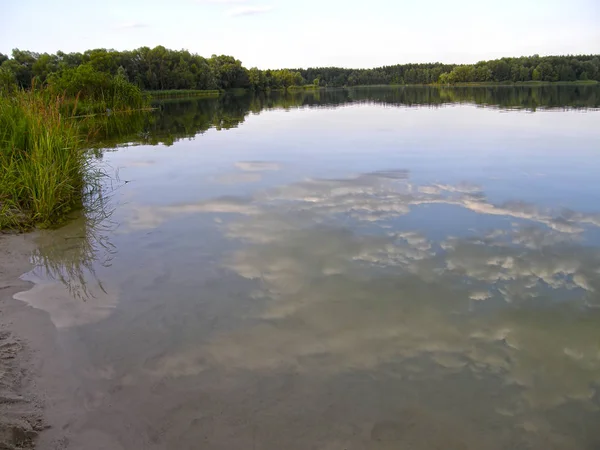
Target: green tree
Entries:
(44, 65)
(160, 68)
(8, 80)
(22, 66)
(257, 79)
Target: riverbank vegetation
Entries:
(169, 93)
(161, 69)
(45, 166)
(42, 161)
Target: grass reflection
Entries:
(71, 254)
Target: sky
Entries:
(309, 33)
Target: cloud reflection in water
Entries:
(347, 289)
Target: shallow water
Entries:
(375, 269)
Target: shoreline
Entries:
(21, 408)
(32, 369)
(512, 84)
(189, 93)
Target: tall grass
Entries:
(93, 92)
(43, 164)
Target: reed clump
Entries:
(45, 167)
(43, 164)
(92, 92)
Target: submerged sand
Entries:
(20, 404)
(31, 364)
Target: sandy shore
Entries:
(30, 358)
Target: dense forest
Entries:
(163, 69)
(505, 70)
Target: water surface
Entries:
(366, 269)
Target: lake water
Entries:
(369, 269)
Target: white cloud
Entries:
(248, 10)
(147, 217)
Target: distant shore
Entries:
(172, 93)
(526, 83)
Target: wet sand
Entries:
(20, 401)
(32, 383)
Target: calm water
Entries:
(375, 269)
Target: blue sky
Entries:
(302, 33)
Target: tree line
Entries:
(504, 70)
(149, 69)
(163, 69)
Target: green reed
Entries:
(43, 164)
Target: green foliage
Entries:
(8, 81)
(96, 90)
(278, 79)
(45, 169)
(228, 72)
(505, 70)
(257, 79)
(154, 69)
(398, 74)
(547, 69)
(42, 161)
